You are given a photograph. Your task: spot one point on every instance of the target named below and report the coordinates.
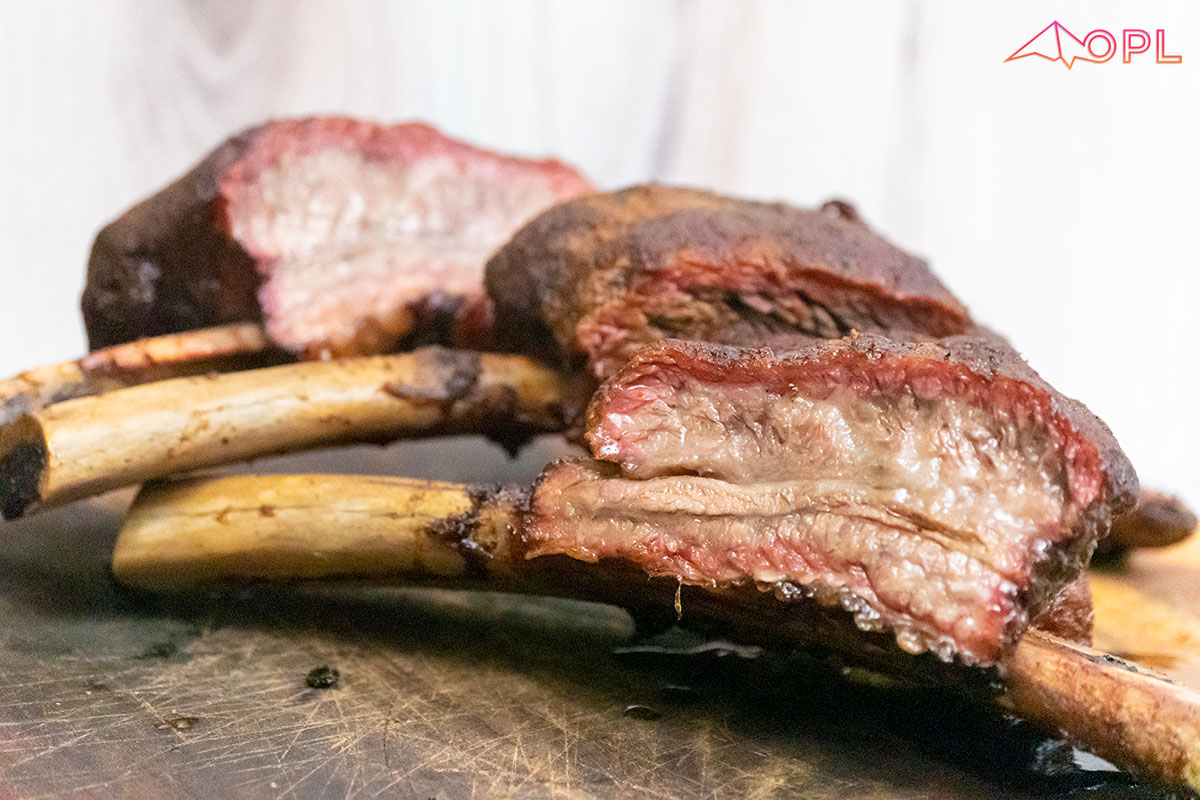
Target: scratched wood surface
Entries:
(104, 693)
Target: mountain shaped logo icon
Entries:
(1056, 43)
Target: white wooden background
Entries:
(1062, 205)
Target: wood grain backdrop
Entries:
(1061, 204)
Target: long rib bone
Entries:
(185, 534)
(175, 355)
(87, 446)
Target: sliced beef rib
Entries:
(939, 489)
(345, 237)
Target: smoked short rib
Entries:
(941, 490)
(344, 237)
(594, 278)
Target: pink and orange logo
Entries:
(1056, 43)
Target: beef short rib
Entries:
(939, 489)
(343, 236)
(597, 277)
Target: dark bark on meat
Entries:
(169, 264)
(343, 236)
(594, 278)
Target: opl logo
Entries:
(1056, 43)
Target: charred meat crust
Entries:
(168, 264)
(194, 255)
(596, 276)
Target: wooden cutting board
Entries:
(451, 695)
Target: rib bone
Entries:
(87, 446)
(175, 355)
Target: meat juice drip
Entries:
(868, 620)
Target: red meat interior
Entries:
(888, 487)
(352, 240)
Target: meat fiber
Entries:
(343, 236)
(939, 489)
(595, 278)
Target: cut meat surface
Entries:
(345, 237)
(595, 278)
(938, 489)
